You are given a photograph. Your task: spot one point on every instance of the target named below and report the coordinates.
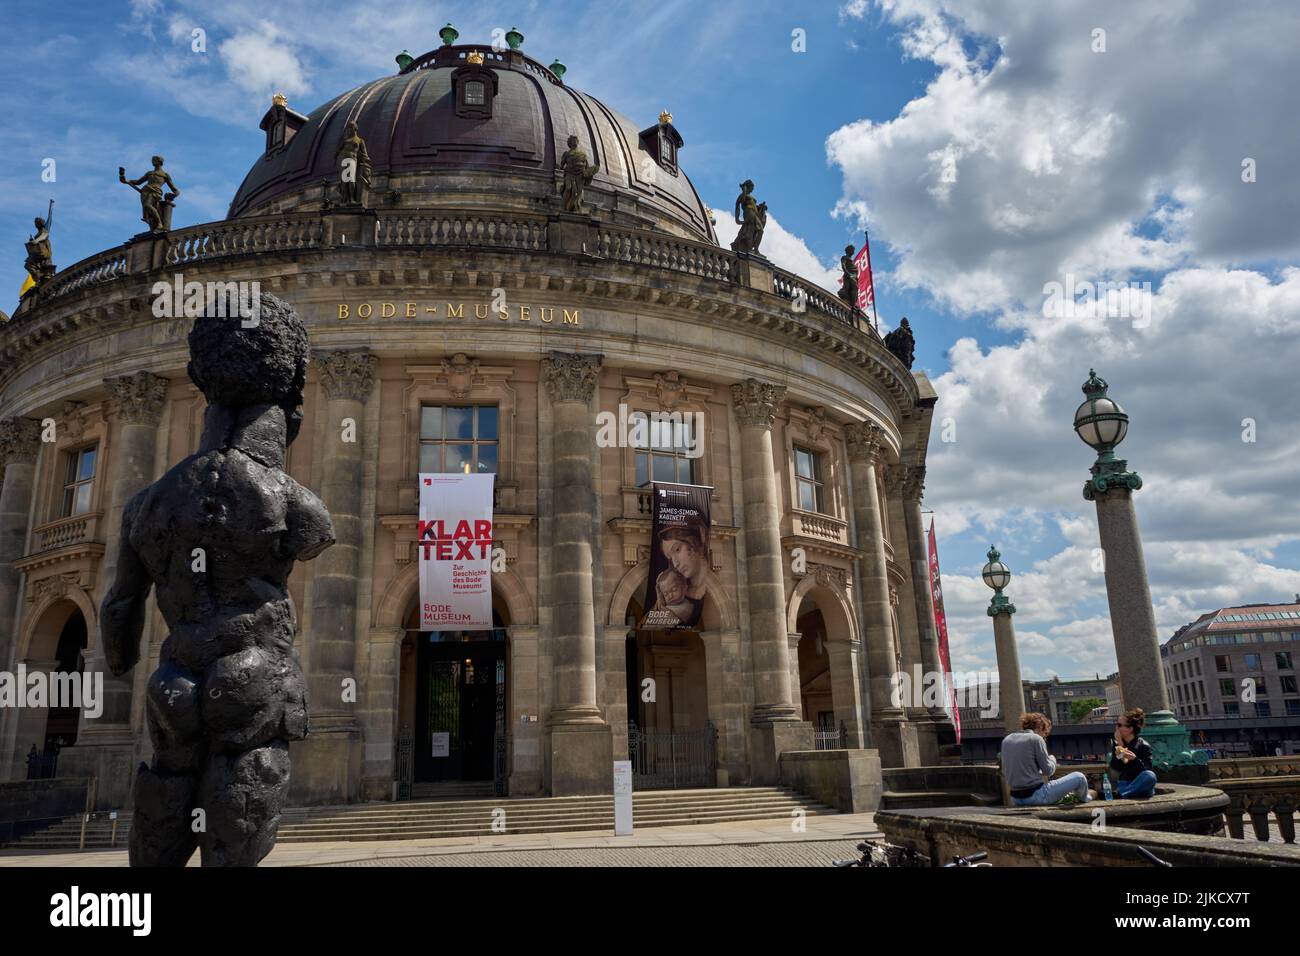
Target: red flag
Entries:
(941, 627)
(866, 288)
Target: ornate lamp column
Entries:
(331, 757)
(580, 742)
(890, 732)
(775, 720)
(20, 439)
(1101, 423)
(1011, 698)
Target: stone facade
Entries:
(551, 320)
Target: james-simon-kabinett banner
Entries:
(679, 556)
(455, 538)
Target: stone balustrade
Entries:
(460, 229)
(1259, 798)
(66, 531)
(822, 527)
(242, 236)
(667, 252)
(101, 267)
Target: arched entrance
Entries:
(671, 742)
(453, 709)
(54, 647)
(815, 697)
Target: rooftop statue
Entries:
(751, 216)
(40, 265)
(155, 207)
(901, 343)
(578, 173)
(217, 536)
(354, 166)
(849, 277)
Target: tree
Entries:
(1080, 708)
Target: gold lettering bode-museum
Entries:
(546, 315)
(421, 286)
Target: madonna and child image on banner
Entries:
(679, 556)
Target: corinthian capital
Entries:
(895, 480)
(20, 439)
(756, 402)
(139, 397)
(349, 375)
(866, 442)
(570, 377)
(914, 483)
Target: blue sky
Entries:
(1121, 164)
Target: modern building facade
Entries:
(1236, 662)
(461, 319)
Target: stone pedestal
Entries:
(768, 739)
(755, 272)
(572, 232)
(581, 749)
(896, 741)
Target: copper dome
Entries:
(425, 153)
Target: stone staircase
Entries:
(432, 819)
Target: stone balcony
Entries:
(66, 532)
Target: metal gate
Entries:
(668, 761)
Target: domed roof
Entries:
(425, 151)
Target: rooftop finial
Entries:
(448, 34)
(278, 99)
(474, 58)
(514, 38)
(665, 118)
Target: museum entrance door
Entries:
(460, 705)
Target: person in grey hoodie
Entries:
(1028, 767)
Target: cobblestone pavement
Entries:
(818, 853)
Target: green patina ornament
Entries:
(404, 59)
(448, 34)
(559, 69)
(514, 38)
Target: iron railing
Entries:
(671, 761)
(405, 764)
(832, 739)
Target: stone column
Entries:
(913, 489)
(329, 768)
(20, 439)
(379, 713)
(775, 720)
(891, 734)
(1132, 619)
(580, 742)
(1011, 699)
(138, 400)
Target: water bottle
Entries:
(1105, 786)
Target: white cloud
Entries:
(785, 249)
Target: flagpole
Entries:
(875, 318)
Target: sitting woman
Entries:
(1131, 759)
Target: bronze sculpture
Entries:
(751, 216)
(578, 173)
(849, 277)
(155, 207)
(901, 343)
(353, 161)
(39, 264)
(217, 536)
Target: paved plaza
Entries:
(764, 843)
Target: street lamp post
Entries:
(1103, 424)
(1011, 698)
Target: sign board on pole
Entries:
(622, 798)
(441, 744)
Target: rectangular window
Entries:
(808, 477)
(1223, 663)
(1262, 709)
(1260, 687)
(475, 93)
(1231, 708)
(1252, 662)
(1227, 688)
(1198, 666)
(78, 481)
(1283, 659)
(664, 454)
(1293, 708)
(1288, 684)
(459, 438)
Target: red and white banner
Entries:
(454, 534)
(941, 628)
(866, 287)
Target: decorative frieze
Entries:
(670, 389)
(139, 397)
(570, 377)
(73, 422)
(914, 483)
(866, 441)
(830, 576)
(346, 375)
(816, 424)
(756, 402)
(895, 480)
